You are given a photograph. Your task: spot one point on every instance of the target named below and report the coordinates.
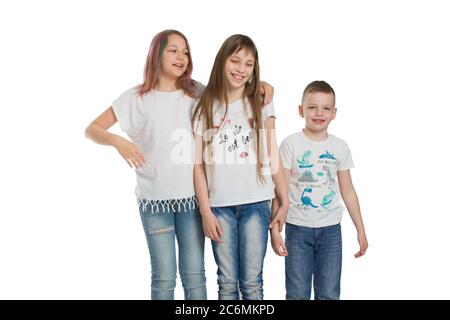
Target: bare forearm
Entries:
(277, 171)
(101, 136)
(352, 203)
(275, 205)
(201, 188)
(281, 188)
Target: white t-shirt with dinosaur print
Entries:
(314, 197)
(233, 178)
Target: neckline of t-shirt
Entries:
(239, 101)
(167, 92)
(315, 142)
(234, 108)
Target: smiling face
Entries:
(239, 68)
(318, 110)
(175, 58)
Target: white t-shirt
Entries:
(233, 178)
(159, 123)
(314, 197)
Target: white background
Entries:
(69, 225)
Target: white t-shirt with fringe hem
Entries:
(159, 124)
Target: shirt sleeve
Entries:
(268, 111)
(286, 152)
(345, 161)
(129, 112)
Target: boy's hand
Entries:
(363, 244)
(277, 242)
(211, 227)
(267, 92)
(279, 217)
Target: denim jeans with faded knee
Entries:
(240, 255)
(161, 228)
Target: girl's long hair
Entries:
(218, 87)
(153, 65)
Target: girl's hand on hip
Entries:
(130, 152)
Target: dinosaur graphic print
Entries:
(328, 198)
(307, 176)
(330, 179)
(327, 155)
(315, 185)
(306, 201)
(304, 162)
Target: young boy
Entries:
(317, 167)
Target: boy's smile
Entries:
(318, 121)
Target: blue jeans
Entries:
(313, 252)
(161, 229)
(240, 255)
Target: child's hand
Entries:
(267, 92)
(130, 152)
(363, 244)
(277, 242)
(211, 227)
(279, 217)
